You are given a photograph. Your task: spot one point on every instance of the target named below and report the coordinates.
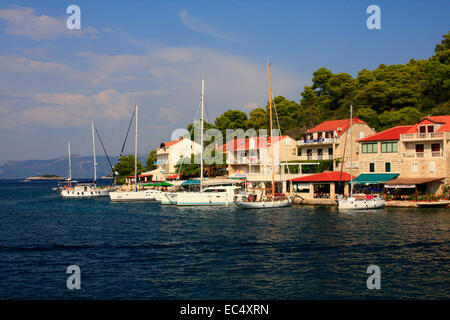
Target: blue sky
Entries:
(54, 81)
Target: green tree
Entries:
(150, 161)
(188, 168)
(258, 119)
(404, 116)
(125, 167)
(231, 119)
(368, 115)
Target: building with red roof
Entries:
(321, 186)
(170, 153)
(253, 156)
(418, 152)
(332, 140)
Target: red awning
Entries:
(141, 176)
(174, 176)
(327, 176)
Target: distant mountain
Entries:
(81, 167)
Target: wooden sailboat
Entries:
(135, 195)
(272, 201)
(352, 203)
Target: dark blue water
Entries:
(146, 251)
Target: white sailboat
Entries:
(67, 183)
(135, 195)
(84, 190)
(217, 195)
(251, 201)
(358, 203)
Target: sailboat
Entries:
(67, 183)
(213, 195)
(135, 195)
(360, 203)
(272, 201)
(84, 190)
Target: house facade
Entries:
(332, 140)
(419, 154)
(170, 153)
(253, 156)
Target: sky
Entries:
(54, 81)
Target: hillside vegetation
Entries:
(390, 95)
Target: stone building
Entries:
(332, 140)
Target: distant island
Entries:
(46, 177)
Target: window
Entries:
(370, 147)
(320, 152)
(422, 129)
(361, 134)
(415, 166)
(430, 128)
(432, 166)
(435, 147)
(330, 151)
(387, 167)
(372, 167)
(389, 147)
(419, 147)
(319, 135)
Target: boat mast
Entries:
(271, 132)
(351, 150)
(135, 151)
(201, 134)
(70, 163)
(93, 150)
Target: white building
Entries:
(170, 153)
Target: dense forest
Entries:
(387, 96)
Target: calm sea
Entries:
(146, 251)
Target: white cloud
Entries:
(199, 26)
(24, 21)
(166, 82)
(74, 109)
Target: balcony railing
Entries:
(317, 141)
(423, 154)
(422, 136)
(244, 161)
(436, 153)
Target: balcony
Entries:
(309, 156)
(245, 160)
(317, 141)
(422, 136)
(433, 154)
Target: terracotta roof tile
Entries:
(333, 125)
(389, 134)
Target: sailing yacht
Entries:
(213, 195)
(135, 195)
(358, 203)
(67, 183)
(84, 190)
(271, 201)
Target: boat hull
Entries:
(264, 204)
(353, 204)
(169, 198)
(145, 195)
(205, 199)
(89, 193)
